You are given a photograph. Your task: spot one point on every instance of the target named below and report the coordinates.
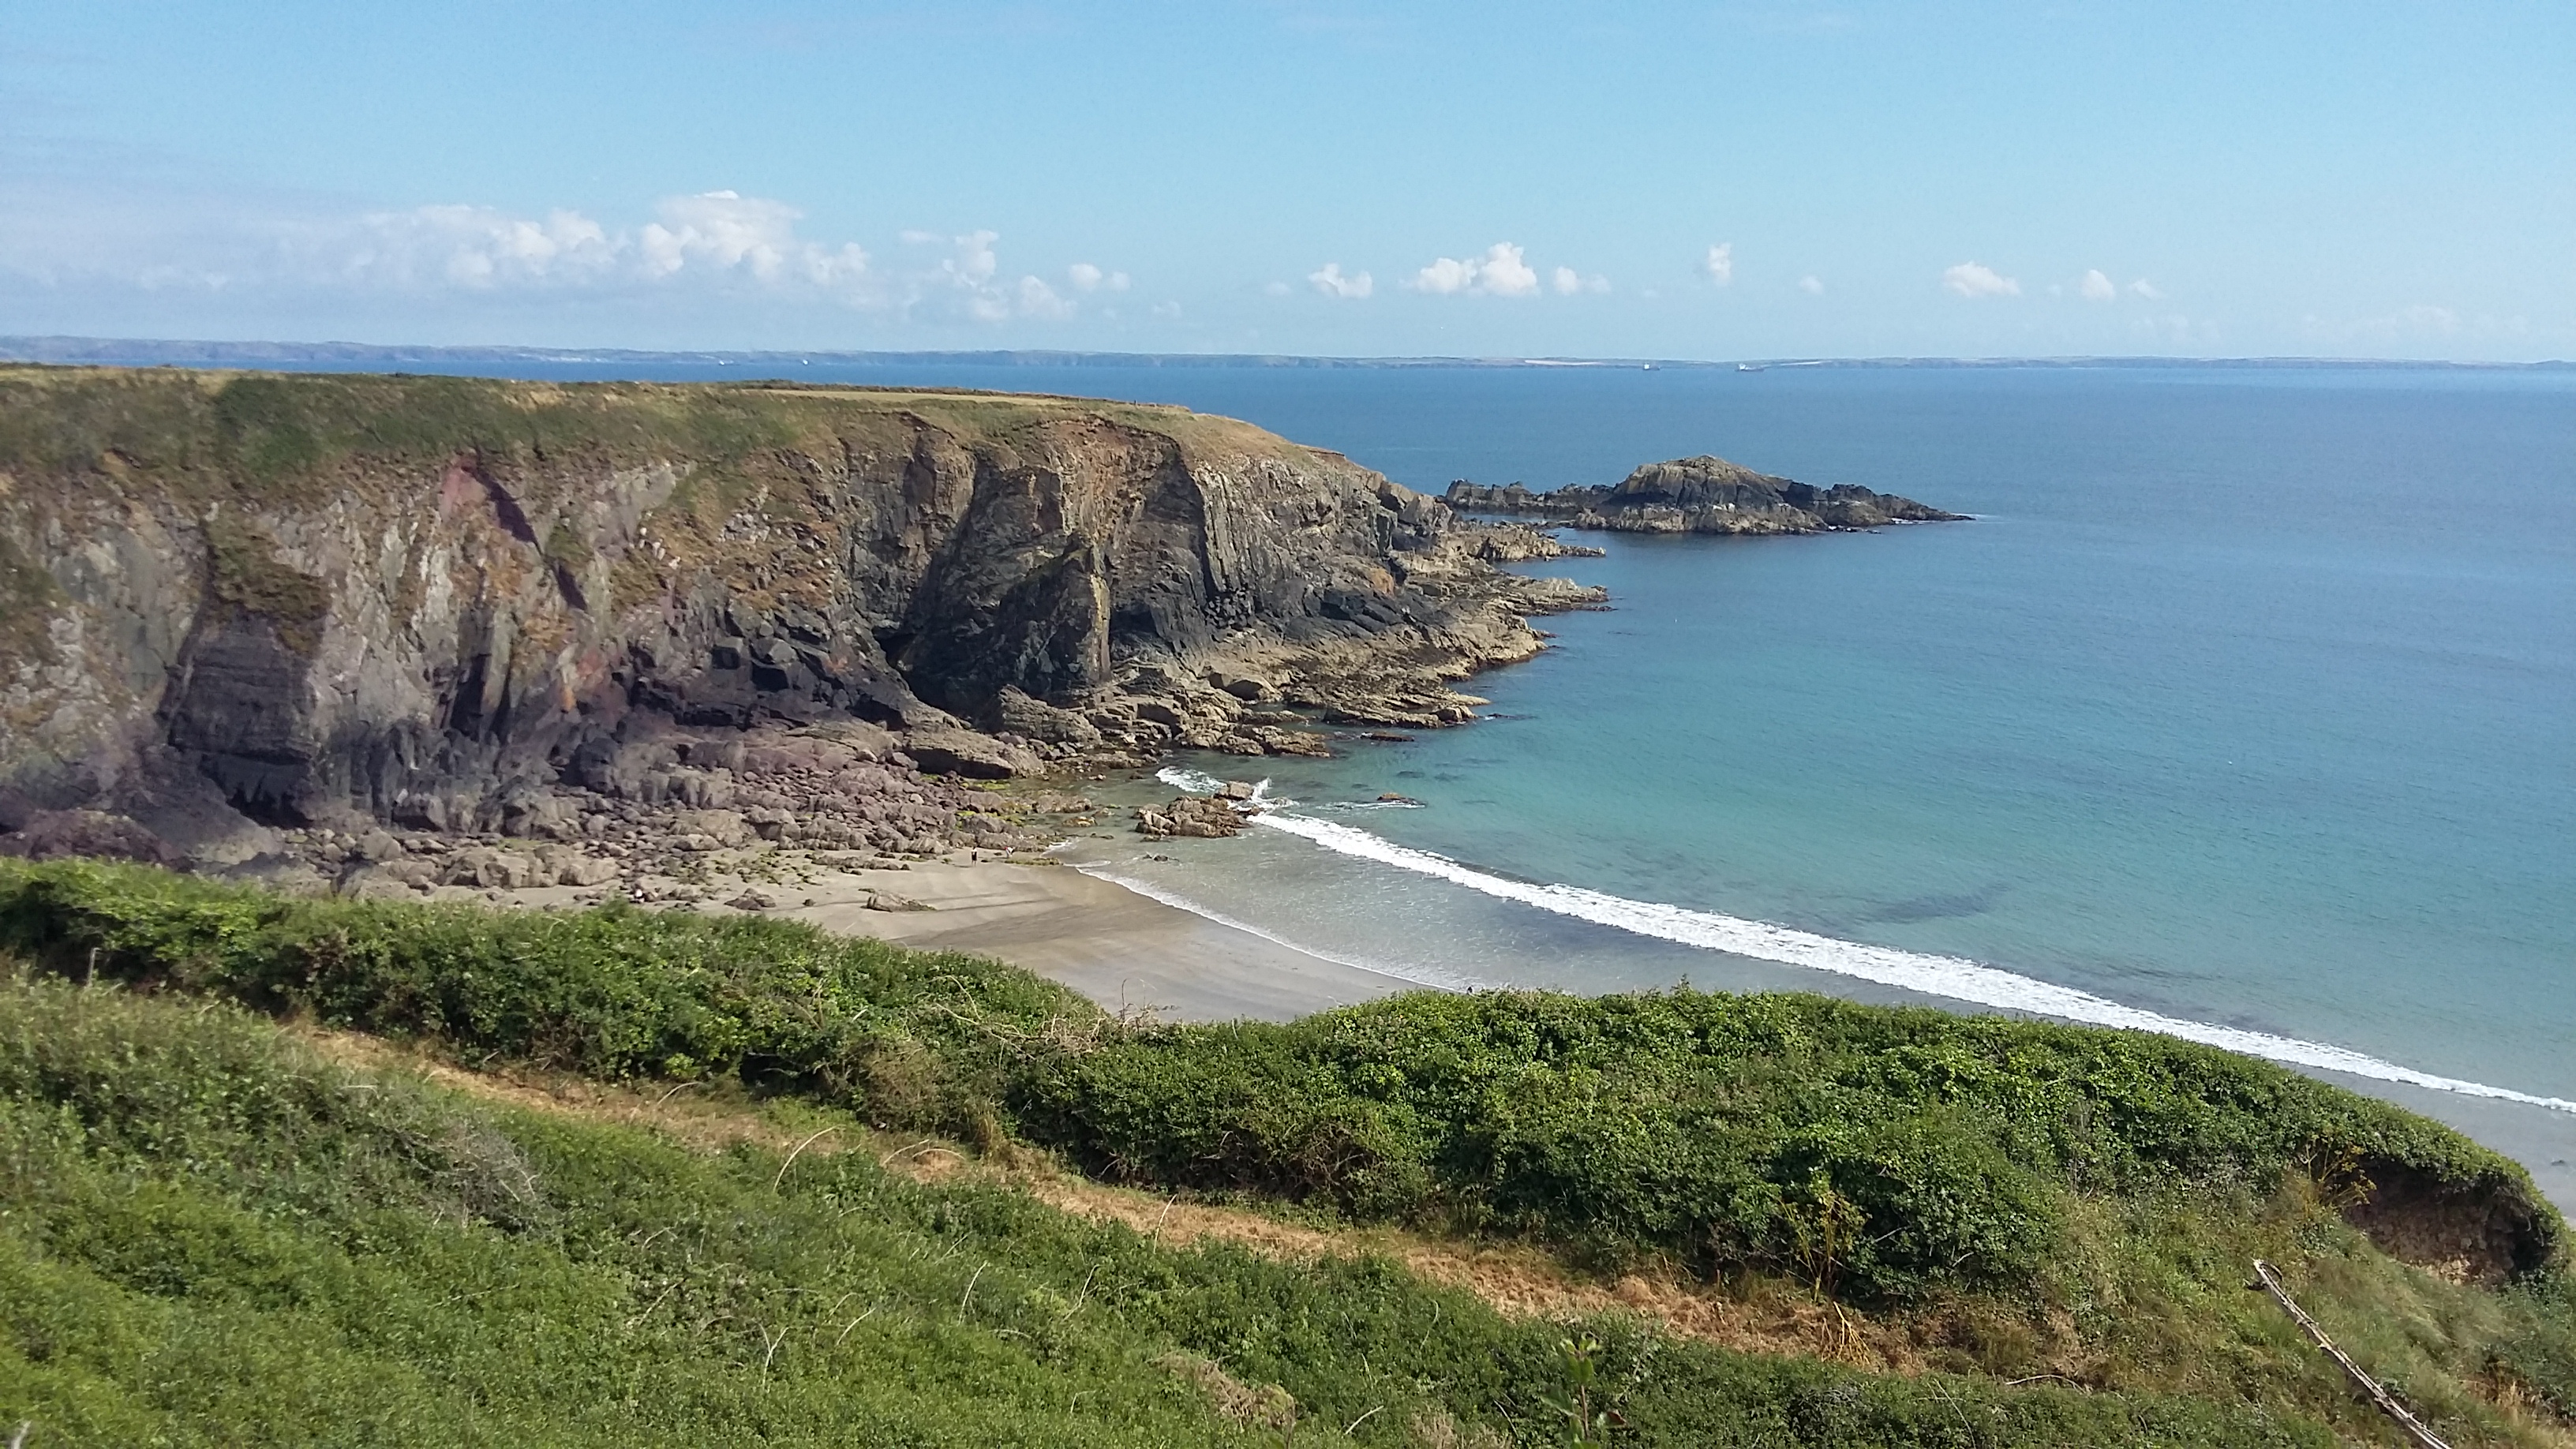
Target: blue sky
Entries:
(1496, 178)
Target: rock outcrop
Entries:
(1195, 816)
(1701, 495)
(328, 605)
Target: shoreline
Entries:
(1119, 946)
(1136, 954)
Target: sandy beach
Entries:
(1121, 949)
(1126, 951)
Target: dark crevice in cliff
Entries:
(513, 520)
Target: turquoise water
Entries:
(2248, 701)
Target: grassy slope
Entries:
(213, 1237)
(2127, 1180)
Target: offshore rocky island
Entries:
(1702, 495)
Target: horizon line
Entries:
(66, 349)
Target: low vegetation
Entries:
(212, 1236)
(1887, 1153)
(252, 436)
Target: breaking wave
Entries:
(1952, 977)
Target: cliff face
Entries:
(1702, 495)
(433, 600)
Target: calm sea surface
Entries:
(2249, 700)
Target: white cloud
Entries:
(2146, 289)
(728, 231)
(1500, 272)
(1445, 276)
(2096, 287)
(741, 249)
(1976, 279)
(718, 238)
(1277, 289)
(1037, 299)
(972, 273)
(1720, 263)
(476, 247)
(1568, 281)
(973, 264)
(1330, 281)
(1504, 273)
(1812, 285)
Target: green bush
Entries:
(209, 1236)
(925, 1039)
(1879, 1152)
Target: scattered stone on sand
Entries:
(889, 901)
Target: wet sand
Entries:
(1121, 949)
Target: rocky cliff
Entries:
(470, 605)
(1701, 495)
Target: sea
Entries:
(2244, 709)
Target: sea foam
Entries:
(1952, 977)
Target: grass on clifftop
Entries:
(260, 436)
(2016, 1199)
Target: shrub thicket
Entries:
(209, 1236)
(915, 1038)
(1879, 1153)
(1883, 1151)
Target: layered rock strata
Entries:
(340, 608)
(1701, 495)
